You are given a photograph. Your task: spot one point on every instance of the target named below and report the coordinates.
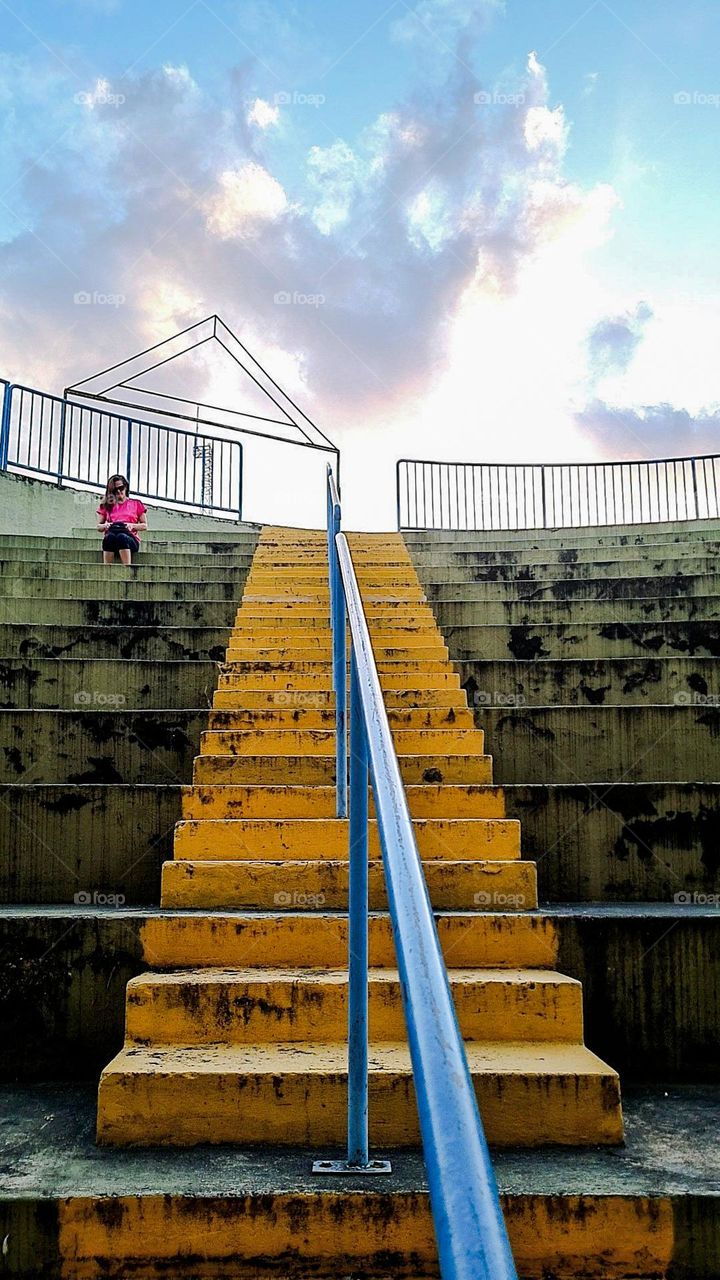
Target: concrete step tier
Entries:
(575, 536)
(643, 1211)
(450, 614)
(587, 640)
(435, 576)
(106, 683)
(599, 682)
(477, 552)
(121, 614)
(530, 1093)
(173, 643)
(595, 588)
(575, 744)
(650, 995)
(624, 842)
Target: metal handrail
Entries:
(456, 496)
(123, 444)
(339, 665)
(469, 1226)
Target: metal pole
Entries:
(339, 673)
(358, 931)
(61, 444)
(5, 428)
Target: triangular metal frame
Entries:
(212, 328)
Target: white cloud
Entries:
(247, 198)
(263, 114)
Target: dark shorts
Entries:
(120, 542)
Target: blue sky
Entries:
(533, 183)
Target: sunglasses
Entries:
(119, 489)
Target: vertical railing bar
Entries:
(358, 1153)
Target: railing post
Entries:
(544, 499)
(358, 931)
(128, 452)
(5, 427)
(61, 443)
(339, 674)
(693, 468)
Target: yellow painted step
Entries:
(229, 699)
(294, 678)
(320, 665)
(298, 742)
(256, 1005)
(529, 1094)
(234, 939)
(310, 769)
(323, 884)
(284, 801)
(324, 718)
(217, 838)
(290, 650)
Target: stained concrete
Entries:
(48, 1148)
(650, 978)
(174, 643)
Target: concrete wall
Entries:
(35, 506)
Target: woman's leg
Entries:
(108, 557)
(125, 555)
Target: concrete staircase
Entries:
(236, 989)
(250, 1045)
(591, 659)
(106, 678)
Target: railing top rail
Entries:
(471, 1236)
(121, 417)
(528, 466)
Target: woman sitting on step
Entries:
(121, 519)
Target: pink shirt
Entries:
(131, 511)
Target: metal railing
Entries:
(496, 496)
(56, 439)
(470, 1230)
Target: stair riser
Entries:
(596, 1236)
(279, 802)
(289, 886)
(436, 838)
(320, 770)
(285, 1010)
(289, 680)
(244, 699)
(308, 718)
(322, 742)
(313, 1110)
(314, 939)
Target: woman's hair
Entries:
(110, 496)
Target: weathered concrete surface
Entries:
(569, 1213)
(101, 574)
(595, 588)
(603, 842)
(100, 745)
(586, 640)
(592, 536)
(118, 587)
(118, 613)
(649, 975)
(172, 643)
(64, 839)
(435, 576)
(32, 504)
(602, 744)
(472, 554)
(598, 682)
(514, 612)
(102, 683)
